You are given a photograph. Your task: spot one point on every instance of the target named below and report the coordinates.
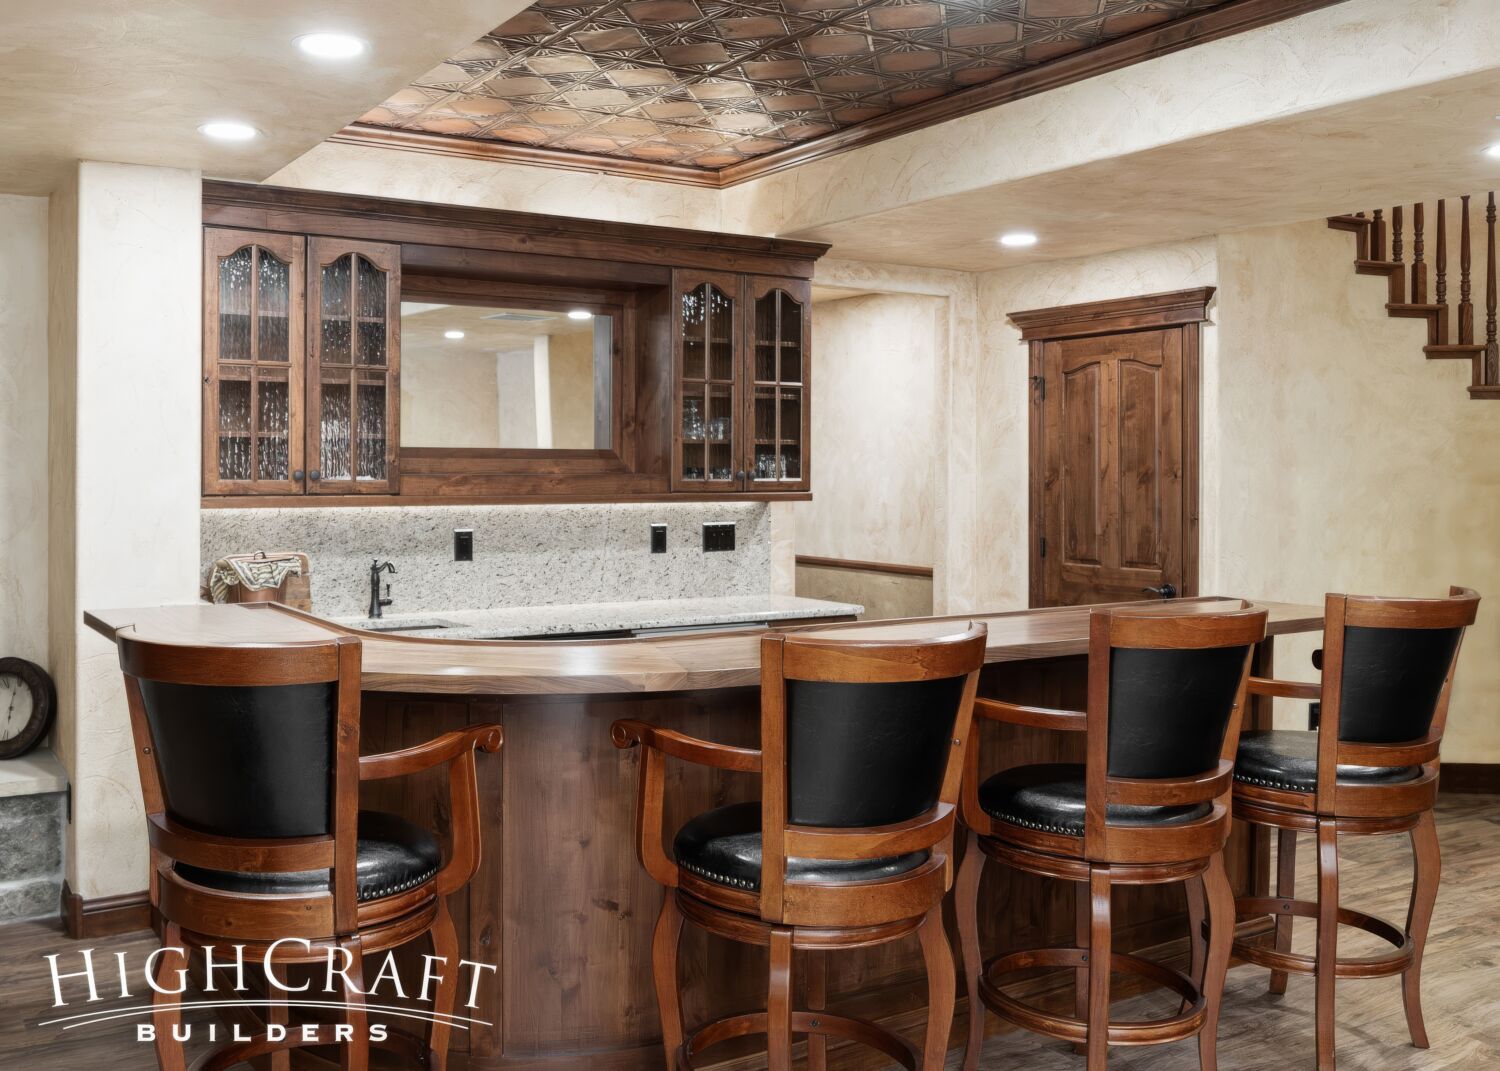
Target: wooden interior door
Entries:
(1114, 455)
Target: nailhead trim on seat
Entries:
(1270, 784)
(402, 886)
(1038, 826)
(722, 879)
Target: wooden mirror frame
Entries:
(483, 471)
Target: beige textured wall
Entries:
(1347, 462)
(883, 595)
(449, 399)
(125, 357)
(374, 172)
(875, 383)
(23, 427)
(570, 362)
(999, 551)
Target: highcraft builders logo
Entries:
(229, 978)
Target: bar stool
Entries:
(250, 768)
(1388, 669)
(1149, 805)
(850, 845)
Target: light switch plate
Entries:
(718, 535)
(463, 544)
(658, 539)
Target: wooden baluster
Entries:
(1442, 252)
(1465, 290)
(1377, 241)
(1396, 234)
(1418, 267)
(1491, 371)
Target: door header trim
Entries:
(1111, 317)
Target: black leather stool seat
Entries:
(393, 856)
(723, 845)
(1288, 759)
(1049, 797)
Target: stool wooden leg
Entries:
(779, 1003)
(444, 946)
(1328, 937)
(817, 1000)
(942, 986)
(355, 1055)
(1197, 905)
(1214, 887)
(1427, 866)
(1286, 889)
(966, 907)
(1099, 963)
(664, 945)
(1082, 924)
(167, 1007)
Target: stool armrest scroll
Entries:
(628, 733)
(456, 749)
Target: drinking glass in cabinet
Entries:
(692, 419)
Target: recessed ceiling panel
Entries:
(712, 83)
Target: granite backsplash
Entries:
(523, 555)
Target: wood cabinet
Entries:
(252, 362)
(301, 364)
(741, 353)
(354, 362)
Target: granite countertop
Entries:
(520, 621)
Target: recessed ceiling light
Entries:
(228, 130)
(331, 45)
(453, 334)
(1493, 150)
(1018, 239)
(580, 314)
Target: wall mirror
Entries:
(507, 376)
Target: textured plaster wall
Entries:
(125, 355)
(23, 427)
(874, 377)
(1347, 462)
(374, 172)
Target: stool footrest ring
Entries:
(860, 1030)
(1185, 1024)
(1382, 965)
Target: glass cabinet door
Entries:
(707, 435)
(252, 362)
(354, 370)
(778, 424)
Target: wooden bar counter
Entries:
(560, 904)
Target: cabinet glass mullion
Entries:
(708, 375)
(777, 401)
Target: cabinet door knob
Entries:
(740, 475)
(297, 475)
(314, 475)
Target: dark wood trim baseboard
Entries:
(1211, 25)
(858, 566)
(1470, 778)
(103, 916)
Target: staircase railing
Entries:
(1381, 249)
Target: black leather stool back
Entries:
(1169, 708)
(1391, 681)
(867, 754)
(253, 761)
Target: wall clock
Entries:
(27, 702)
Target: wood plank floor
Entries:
(1461, 987)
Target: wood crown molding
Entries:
(1120, 314)
(103, 916)
(855, 565)
(260, 207)
(1234, 17)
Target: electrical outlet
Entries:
(658, 539)
(718, 535)
(463, 544)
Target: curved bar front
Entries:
(560, 906)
